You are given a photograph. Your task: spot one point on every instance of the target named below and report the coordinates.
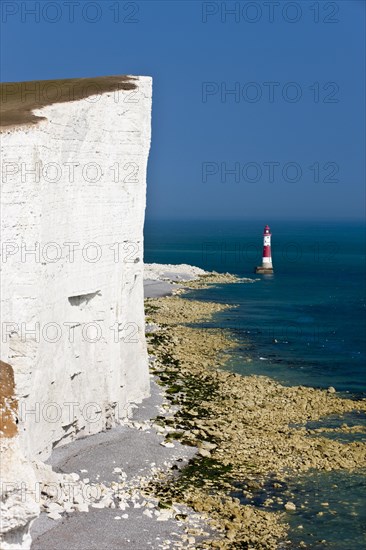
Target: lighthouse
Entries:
(266, 266)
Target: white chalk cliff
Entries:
(73, 192)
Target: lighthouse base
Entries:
(264, 270)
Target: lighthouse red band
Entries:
(267, 254)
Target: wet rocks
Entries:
(290, 506)
(240, 424)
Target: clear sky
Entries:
(293, 131)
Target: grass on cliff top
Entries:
(18, 99)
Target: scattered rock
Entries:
(54, 515)
(82, 507)
(204, 452)
(53, 507)
(167, 444)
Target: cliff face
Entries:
(73, 165)
(73, 202)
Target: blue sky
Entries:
(296, 154)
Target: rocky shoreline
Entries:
(186, 467)
(247, 428)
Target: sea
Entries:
(303, 325)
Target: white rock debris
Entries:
(169, 272)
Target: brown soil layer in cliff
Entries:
(18, 99)
(242, 425)
(8, 403)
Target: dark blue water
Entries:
(305, 324)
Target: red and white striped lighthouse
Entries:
(266, 266)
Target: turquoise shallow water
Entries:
(330, 511)
(304, 325)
